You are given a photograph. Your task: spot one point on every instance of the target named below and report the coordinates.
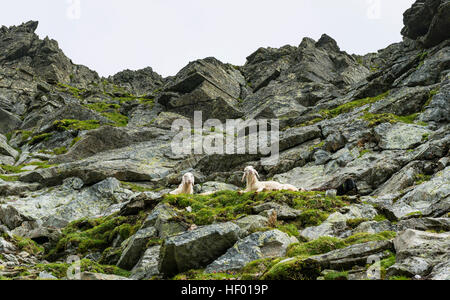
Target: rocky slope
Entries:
(85, 163)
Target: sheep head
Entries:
(188, 179)
(250, 171)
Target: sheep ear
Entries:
(243, 177)
(257, 174)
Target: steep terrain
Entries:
(86, 163)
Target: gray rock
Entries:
(197, 248)
(251, 223)
(136, 246)
(356, 255)
(419, 252)
(147, 266)
(400, 136)
(431, 198)
(260, 245)
(6, 247)
(60, 206)
(284, 212)
(321, 157)
(164, 219)
(101, 277)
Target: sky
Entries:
(109, 36)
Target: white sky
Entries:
(112, 35)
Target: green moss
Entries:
(293, 269)
(415, 214)
(380, 218)
(320, 246)
(229, 205)
(74, 141)
(314, 147)
(110, 111)
(377, 119)
(364, 152)
(421, 178)
(60, 151)
(25, 244)
(64, 125)
(311, 217)
(336, 276)
(12, 169)
(290, 229)
(200, 275)
(399, 278)
(350, 106)
(40, 138)
(59, 270)
(353, 223)
(95, 234)
(77, 93)
(9, 178)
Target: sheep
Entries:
(254, 185)
(186, 186)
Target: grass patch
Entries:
(110, 111)
(95, 235)
(377, 119)
(350, 106)
(59, 270)
(64, 125)
(40, 138)
(229, 205)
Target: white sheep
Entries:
(254, 185)
(186, 186)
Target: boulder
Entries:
(259, 245)
(419, 252)
(197, 249)
(147, 267)
(100, 277)
(136, 247)
(251, 223)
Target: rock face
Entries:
(259, 245)
(86, 163)
(197, 248)
(422, 253)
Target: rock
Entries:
(8, 122)
(197, 248)
(17, 188)
(251, 223)
(284, 212)
(101, 277)
(431, 199)
(321, 157)
(60, 206)
(5, 149)
(424, 224)
(45, 275)
(165, 219)
(260, 245)
(6, 247)
(400, 136)
(356, 255)
(212, 187)
(418, 253)
(438, 110)
(427, 21)
(336, 224)
(136, 247)
(147, 265)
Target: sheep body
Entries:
(254, 185)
